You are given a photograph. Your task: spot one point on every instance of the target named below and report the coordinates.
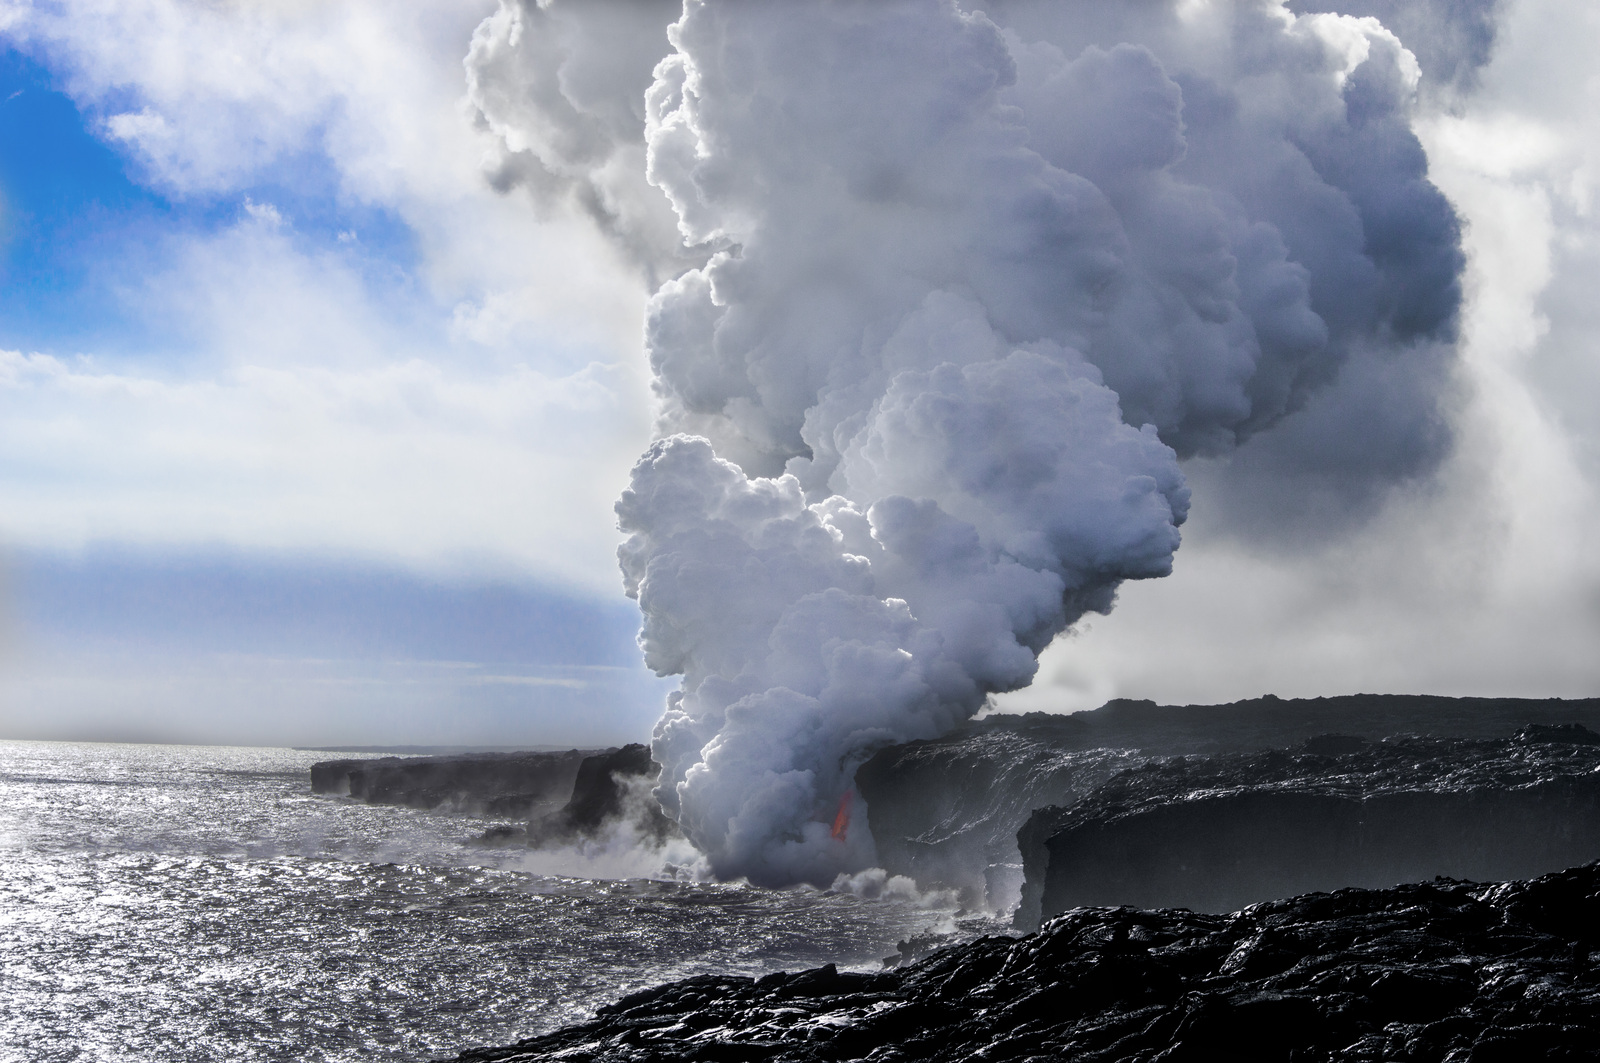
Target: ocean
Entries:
(176, 903)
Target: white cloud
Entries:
(1484, 580)
(315, 414)
(414, 460)
(530, 681)
(302, 395)
(243, 699)
(492, 409)
(228, 96)
(223, 90)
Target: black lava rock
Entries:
(946, 812)
(1217, 833)
(609, 786)
(1436, 971)
(496, 784)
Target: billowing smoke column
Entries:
(969, 292)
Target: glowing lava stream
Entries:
(841, 822)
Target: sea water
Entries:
(175, 903)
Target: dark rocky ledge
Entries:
(497, 784)
(1428, 972)
(1214, 834)
(561, 798)
(610, 786)
(947, 811)
(1272, 723)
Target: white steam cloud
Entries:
(963, 292)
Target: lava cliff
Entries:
(946, 812)
(1215, 834)
(496, 784)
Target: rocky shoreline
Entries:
(1157, 810)
(1435, 971)
(494, 784)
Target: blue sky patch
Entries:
(79, 232)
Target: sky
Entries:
(313, 415)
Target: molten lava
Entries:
(841, 822)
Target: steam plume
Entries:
(973, 289)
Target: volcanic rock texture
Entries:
(1218, 833)
(497, 784)
(1426, 972)
(608, 786)
(564, 796)
(946, 812)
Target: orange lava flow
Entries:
(841, 822)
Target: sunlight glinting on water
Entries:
(181, 903)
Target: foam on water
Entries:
(183, 903)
